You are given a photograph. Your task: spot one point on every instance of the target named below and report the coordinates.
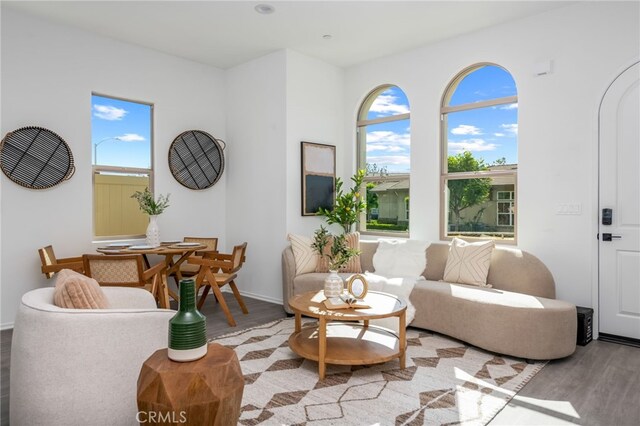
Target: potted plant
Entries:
(348, 205)
(338, 254)
(153, 208)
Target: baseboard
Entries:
(6, 326)
(620, 340)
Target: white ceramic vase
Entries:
(333, 285)
(153, 232)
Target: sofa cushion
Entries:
(506, 322)
(468, 263)
(400, 258)
(76, 291)
(353, 265)
(305, 257)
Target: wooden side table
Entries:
(203, 392)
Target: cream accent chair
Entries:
(81, 366)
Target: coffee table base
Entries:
(347, 344)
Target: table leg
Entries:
(366, 323)
(322, 346)
(170, 268)
(298, 322)
(403, 339)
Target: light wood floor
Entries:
(598, 385)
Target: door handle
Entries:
(608, 237)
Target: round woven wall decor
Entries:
(196, 159)
(36, 158)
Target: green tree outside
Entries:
(464, 193)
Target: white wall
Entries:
(588, 44)
(48, 74)
(275, 102)
(264, 108)
(314, 114)
(257, 170)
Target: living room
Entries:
(263, 101)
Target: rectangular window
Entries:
(121, 139)
(505, 208)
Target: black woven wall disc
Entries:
(36, 158)
(196, 159)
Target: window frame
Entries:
(361, 154)
(445, 176)
(97, 169)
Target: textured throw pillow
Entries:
(468, 263)
(353, 265)
(305, 257)
(400, 258)
(76, 291)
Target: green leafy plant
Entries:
(339, 253)
(148, 204)
(465, 193)
(348, 205)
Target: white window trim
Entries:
(445, 109)
(97, 169)
(361, 141)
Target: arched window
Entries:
(384, 151)
(479, 132)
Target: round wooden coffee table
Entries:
(336, 339)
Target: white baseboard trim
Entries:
(6, 326)
(256, 296)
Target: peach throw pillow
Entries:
(76, 291)
(353, 266)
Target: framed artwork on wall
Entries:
(318, 177)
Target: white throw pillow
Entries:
(400, 258)
(468, 263)
(305, 257)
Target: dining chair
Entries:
(217, 270)
(51, 264)
(188, 269)
(125, 270)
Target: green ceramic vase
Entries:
(188, 328)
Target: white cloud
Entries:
(130, 137)
(386, 104)
(510, 128)
(466, 129)
(388, 141)
(499, 134)
(389, 160)
(510, 106)
(110, 113)
(388, 137)
(471, 145)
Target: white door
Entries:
(619, 268)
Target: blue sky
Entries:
(123, 131)
(488, 133)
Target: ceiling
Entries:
(228, 33)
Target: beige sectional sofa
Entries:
(518, 316)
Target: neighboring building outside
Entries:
(494, 216)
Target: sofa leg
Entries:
(530, 361)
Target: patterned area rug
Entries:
(446, 382)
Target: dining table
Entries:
(175, 254)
